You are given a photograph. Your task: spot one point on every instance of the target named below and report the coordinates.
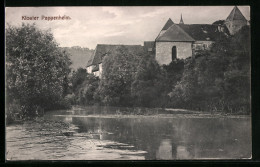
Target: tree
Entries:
(119, 69)
(36, 69)
(150, 84)
(78, 77)
(84, 86)
(219, 22)
(219, 79)
(174, 72)
(237, 75)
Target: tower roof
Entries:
(181, 21)
(168, 24)
(235, 14)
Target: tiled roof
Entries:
(235, 14)
(90, 60)
(174, 33)
(203, 32)
(103, 50)
(168, 24)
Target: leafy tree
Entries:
(36, 69)
(119, 69)
(149, 87)
(84, 86)
(237, 75)
(78, 77)
(219, 22)
(218, 79)
(174, 72)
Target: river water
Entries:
(92, 137)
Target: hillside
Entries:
(79, 56)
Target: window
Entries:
(174, 53)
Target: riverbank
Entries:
(160, 116)
(111, 110)
(124, 112)
(127, 112)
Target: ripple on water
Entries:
(28, 142)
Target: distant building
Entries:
(175, 41)
(235, 21)
(180, 41)
(94, 64)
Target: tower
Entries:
(235, 21)
(181, 21)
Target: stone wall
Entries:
(164, 51)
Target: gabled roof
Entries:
(174, 33)
(203, 32)
(168, 24)
(103, 50)
(235, 14)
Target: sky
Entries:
(90, 26)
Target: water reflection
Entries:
(134, 138)
(165, 150)
(174, 138)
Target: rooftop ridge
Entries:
(168, 24)
(180, 30)
(116, 45)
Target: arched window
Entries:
(174, 53)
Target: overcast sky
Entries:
(90, 26)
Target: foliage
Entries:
(219, 22)
(219, 79)
(36, 69)
(148, 87)
(174, 72)
(119, 69)
(84, 86)
(78, 77)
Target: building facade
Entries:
(174, 41)
(180, 41)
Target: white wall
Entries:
(164, 51)
(100, 68)
(89, 69)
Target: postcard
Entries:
(128, 83)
